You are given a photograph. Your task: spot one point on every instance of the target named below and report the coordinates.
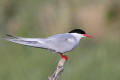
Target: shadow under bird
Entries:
(59, 43)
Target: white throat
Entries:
(77, 36)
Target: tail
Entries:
(34, 42)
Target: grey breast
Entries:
(61, 43)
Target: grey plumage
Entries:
(59, 43)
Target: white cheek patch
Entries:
(71, 40)
(77, 36)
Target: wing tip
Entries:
(10, 36)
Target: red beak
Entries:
(89, 36)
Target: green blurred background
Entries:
(93, 59)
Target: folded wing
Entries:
(34, 42)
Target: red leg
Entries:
(63, 56)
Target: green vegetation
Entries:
(93, 59)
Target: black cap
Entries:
(79, 31)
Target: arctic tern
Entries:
(59, 43)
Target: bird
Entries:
(59, 43)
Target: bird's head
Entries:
(80, 33)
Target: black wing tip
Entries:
(10, 36)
